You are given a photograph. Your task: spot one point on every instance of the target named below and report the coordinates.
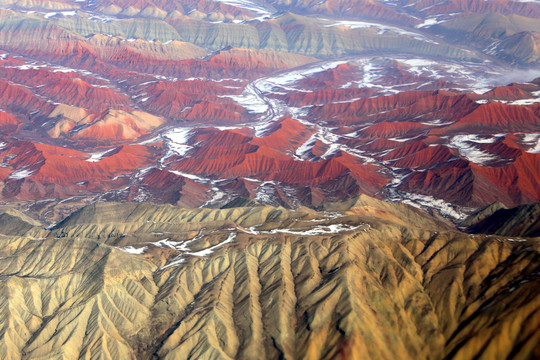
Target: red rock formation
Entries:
(234, 154)
(215, 113)
(21, 100)
(76, 91)
(228, 63)
(510, 92)
(425, 158)
(330, 79)
(42, 171)
(394, 129)
(427, 105)
(496, 118)
(165, 186)
(286, 135)
(8, 122)
(469, 184)
(325, 96)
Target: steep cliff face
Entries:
(145, 281)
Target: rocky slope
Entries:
(144, 281)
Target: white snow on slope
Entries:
(176, 141)
(95, 157)
(382, 28)
(165, 243)
(425, 201)
(257, 97)
(189, 176)
(20, 174)
(210, 250)
(316, 230)
(255, 100)
(248, 5)
(132, 250)
(468, 147)
(532, 140)
(184, 248)
(525, 101)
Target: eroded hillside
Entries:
(117, 281)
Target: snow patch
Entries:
(467, 146)
(165, 243)
(132, 250)
(189, 176)
(248, 5)
(266, 193)
(176, 141)
(210, 250)
(429, 22)
(525, 101)
(20, 174)
(382, 28)
(218, 196)
(303, 152)
(95, 157)
(184, 248)
(425, 201)
(533, 141)
(317, 230)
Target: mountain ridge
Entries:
(317, 277)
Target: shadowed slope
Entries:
(523, 220)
